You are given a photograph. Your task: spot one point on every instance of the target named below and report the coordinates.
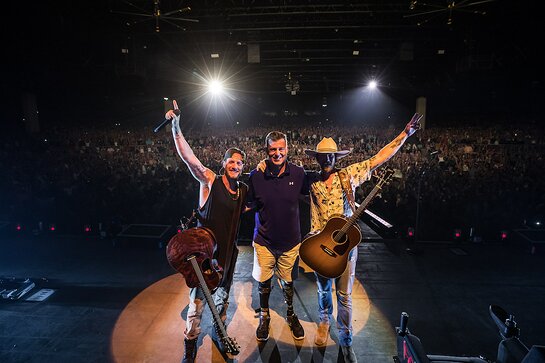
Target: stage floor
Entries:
(125, 304)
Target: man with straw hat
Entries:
(327, 199)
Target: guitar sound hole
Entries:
(338, 238)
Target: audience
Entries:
(479, 179)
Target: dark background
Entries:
(83, 67)
(70, 56)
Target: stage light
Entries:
(52, 228)
(18, 227)
(457, 234)
(410, 232)
(215, 87)
(535, 221)
(372, 85)
(87, 228)
(504, 235)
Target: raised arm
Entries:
(392, 148)
(198, 170)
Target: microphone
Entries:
(166, 121)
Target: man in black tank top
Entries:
(220, 206)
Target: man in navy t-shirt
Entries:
(274, 193)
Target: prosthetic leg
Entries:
(297, 330)
(262, 332)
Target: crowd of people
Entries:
(472, 178)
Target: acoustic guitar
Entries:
(326, 252)
(190, 253)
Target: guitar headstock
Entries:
(231, 347)
(383, 176)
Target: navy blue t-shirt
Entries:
(277, 201)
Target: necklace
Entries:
(236, 196)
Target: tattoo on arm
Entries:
(197, 169)
(201, 173)
(200, 169)
(396, 143)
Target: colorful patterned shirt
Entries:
(325, 204)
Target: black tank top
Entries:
(221, 214)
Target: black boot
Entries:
(296, 328)
(262, 331)
(190, 350)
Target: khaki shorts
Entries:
(266, 263)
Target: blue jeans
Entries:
(343, 286)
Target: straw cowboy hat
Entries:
(327, 146)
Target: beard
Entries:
(326, 167)
(232, 174)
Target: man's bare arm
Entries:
(393, 147)
(198, 170)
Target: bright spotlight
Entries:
(215, 87)
(372, 85)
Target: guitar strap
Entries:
(347, 188)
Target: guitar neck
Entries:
(354, 218)
(208, 296)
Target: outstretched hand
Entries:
(414, 124)
(173, 115)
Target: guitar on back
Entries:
(326, 252)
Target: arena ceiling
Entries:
(325, 46)
(122, 51)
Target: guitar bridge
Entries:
(328, 251)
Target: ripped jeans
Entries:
(343, 286)
(197, 302)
